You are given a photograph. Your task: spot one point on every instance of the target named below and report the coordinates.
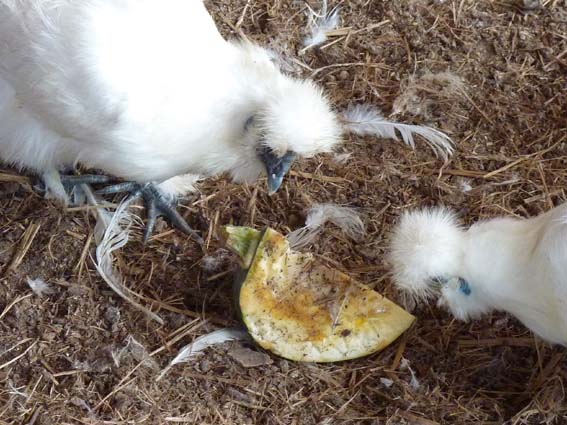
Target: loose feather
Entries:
(140, 353)
(342, 158)
(103, 216)
(366, 120)
(319, 25)
(414, 382)
(347, 219)
(40, 287)
(112, 233)
(115, 237)
(213, 263)
(203, 342)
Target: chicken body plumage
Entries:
(146, 90)
(513, 265)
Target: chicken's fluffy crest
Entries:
(425, 244)
(302, 119)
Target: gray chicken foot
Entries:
(156, 204)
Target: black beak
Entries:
(276, 167)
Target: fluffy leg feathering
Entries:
(508, 264)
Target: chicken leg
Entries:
(156, 203)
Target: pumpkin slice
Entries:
(304, 311)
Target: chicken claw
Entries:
(156, 203)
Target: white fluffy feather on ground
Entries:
(40, 287)
(366, 120)
(319, 25)
(112, 232)
(346, 218)
(203, 342)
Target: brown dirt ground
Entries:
(492, 74)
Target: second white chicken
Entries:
(514, 265)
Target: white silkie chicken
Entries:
(148, 91)
(514, 265)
